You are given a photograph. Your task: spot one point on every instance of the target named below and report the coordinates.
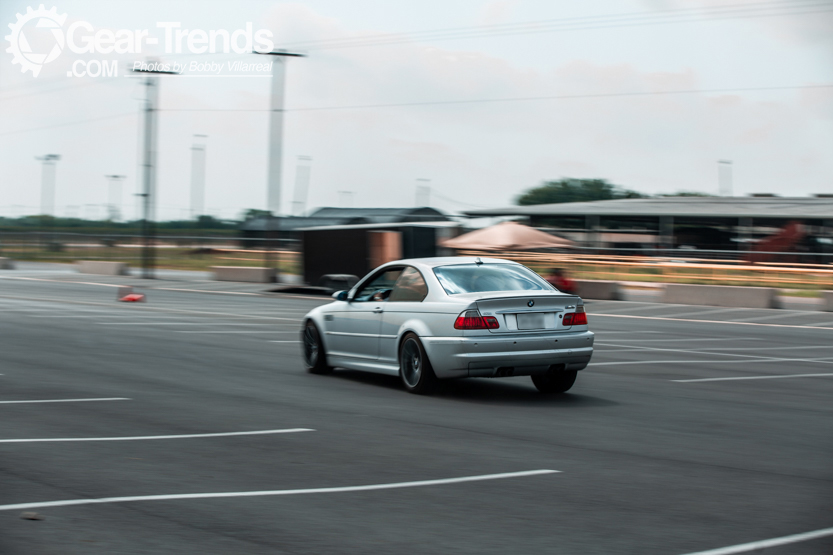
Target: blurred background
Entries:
(698, 131)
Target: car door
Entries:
(404, 302)
(353, 332)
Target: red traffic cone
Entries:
(126, 294)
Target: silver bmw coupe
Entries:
(439, 318)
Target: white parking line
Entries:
(720, 350)
(227, 331)
(745, 361)
(147, 309)
(764, 544)
(691, 351)
(632, 362)
(704, 312)
(688, 339)
(183, 323)
(62, 281)
(717, 350)
(707, 321)
(770, 377)
(649, 306)
(772, 317)
(371, 487)
(65, 400)
(287, 341)
(205, 291)
(138, 438)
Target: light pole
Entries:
(114, 196)
(302, 175)
(345, 199)
(198, 176)
(273, 195)
(47, 183)
(423, 193)
(148, 193)
(47, 195)
(724, 177)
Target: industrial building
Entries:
(755, 223)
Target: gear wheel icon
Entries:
(19, 45)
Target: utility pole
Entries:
(47, 183)
(198, 176)
(724, 177)
(423, 193)
(47, 196)
(148, 193)
(345, 199)
(302, 176)
(276, 110)
(114, 196)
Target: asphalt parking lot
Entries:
(126, 427)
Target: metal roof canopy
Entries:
(423, 213)
(381, 226)
(329, 216)
(802, 208)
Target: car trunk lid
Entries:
(528, 313)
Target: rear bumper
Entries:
(457, 357)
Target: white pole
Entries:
(273, 198)
(724, 176)
(302, 177)
(198, 178)
(47, 191)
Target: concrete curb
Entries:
(721, 295)
(243, 273)
(827, 296)
(598, 290)
(102, 268)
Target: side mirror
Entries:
(340, 295)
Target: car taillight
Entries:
(472, 320)
(577, 318)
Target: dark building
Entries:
(286, 228)
(357, 249)
(344, 240)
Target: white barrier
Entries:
(721, 295)
(598, 290)
(827, 296)
(102, 268)
(242, 273)
(6, 264)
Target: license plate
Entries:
(534, 321)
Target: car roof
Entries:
(448, 261)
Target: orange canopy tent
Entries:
(507, 236)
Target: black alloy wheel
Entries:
(558, 382)
(315, 357)
(414, 367)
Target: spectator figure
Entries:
(560, 281)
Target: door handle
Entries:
(378, 310)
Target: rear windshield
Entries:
(477, 278)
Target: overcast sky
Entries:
(475, 154)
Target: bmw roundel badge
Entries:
(530, 303)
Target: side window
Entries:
(378, 288)
(410, 287)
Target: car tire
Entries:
(414, 367)
(312, 349)
(558, 382)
